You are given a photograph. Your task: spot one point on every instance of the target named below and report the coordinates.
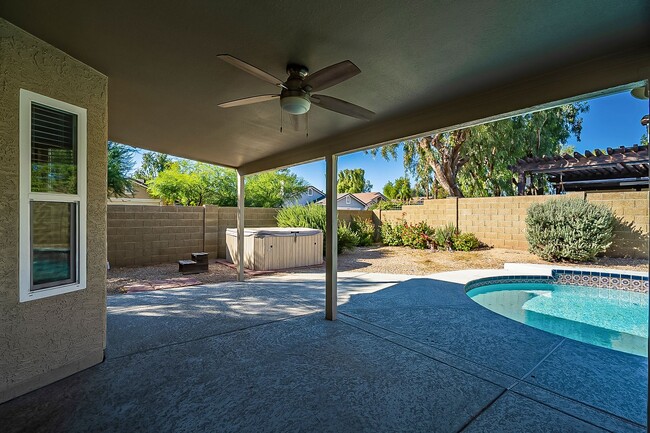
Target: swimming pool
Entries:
(616, 319)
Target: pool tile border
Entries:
(603, 280)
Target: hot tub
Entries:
(270, 248)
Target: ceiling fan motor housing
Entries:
(293, 99)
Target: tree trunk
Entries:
(449, 163)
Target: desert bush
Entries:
(419, 235)
(365, 230)
(349, 235)
(310, 216)
(465, 242)
(444, 236)
(569, 229)
(346, 237)
(391, 233)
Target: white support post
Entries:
(240, 226)
(331, 226)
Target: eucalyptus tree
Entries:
(475, 161)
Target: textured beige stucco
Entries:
(44, 340)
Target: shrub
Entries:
(310, 216)
(391, 233)
(569, 229)
(419, 236)
(365, 229)
(444, 236)
(466, 242)
(346, 237)
(349, 235)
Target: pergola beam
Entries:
(583, 163)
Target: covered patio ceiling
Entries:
(425, 65)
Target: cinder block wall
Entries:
(44, 340)
(501, 221)
(146, 235)
(631, 229)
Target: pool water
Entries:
(615, 319)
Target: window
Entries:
(310, 192)
(347, 199)
(52, 197)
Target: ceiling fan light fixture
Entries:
(295, 104)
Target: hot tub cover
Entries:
(263, 232)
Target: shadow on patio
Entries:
(407, 354)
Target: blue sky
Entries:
(612, 121)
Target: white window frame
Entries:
(310, 192)
(347, 199)
(27, 196)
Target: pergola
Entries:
(426, 67)
(619, 168)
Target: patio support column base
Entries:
(331, 226)
(240, 226)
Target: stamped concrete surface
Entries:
(407, 354)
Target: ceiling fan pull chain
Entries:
(307, 127)
(281, 119)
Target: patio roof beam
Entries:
(596, 77)
(331, 226)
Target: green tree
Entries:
(195, 183)
(403, 189)
(153, 163)
(273, 188)
(353, 181)
(389, 190)
(474, 161)
(176, 185)
(399, 190)
(120, 164)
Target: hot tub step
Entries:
(192, 267)
(200, 257)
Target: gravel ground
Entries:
(378, 259)
(401, 260)
(119, 277)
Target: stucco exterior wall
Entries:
(44, 340)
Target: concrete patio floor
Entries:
(407, 354)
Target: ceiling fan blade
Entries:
(341, 106)
(330, 76)
(247, 101)
(257, 72)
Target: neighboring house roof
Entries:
(139, 195)
(369, 197)
(315, 190)
(364, 198)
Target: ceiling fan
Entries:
(296, 95)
